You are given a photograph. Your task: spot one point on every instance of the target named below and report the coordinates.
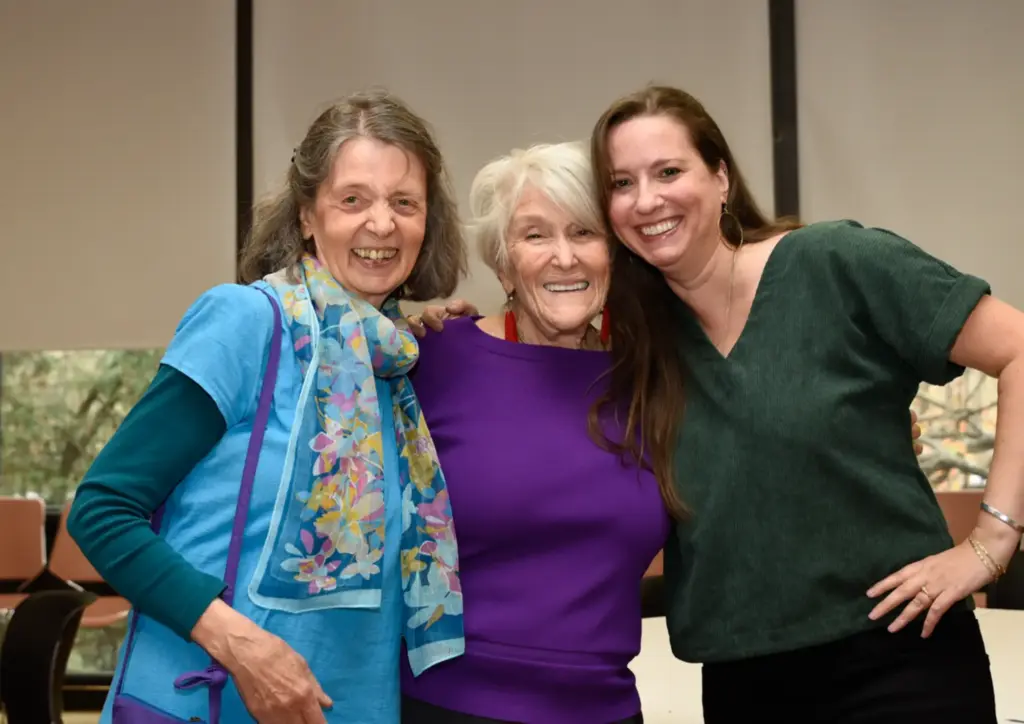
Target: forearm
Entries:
(215, 630)
(1005, 488)
(115, 535)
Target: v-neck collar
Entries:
(762, 293)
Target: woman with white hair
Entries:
(554, 533)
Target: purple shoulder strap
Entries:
(252, 455)
(214, 676)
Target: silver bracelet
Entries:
(999, 515)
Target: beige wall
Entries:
(491, 76)
(117, 130)
(911, 118)
(116, 167)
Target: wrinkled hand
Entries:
(274, 681)
(915, 433)
(933, 585)
(433, 316)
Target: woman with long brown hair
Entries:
(768, 368)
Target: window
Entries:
(57, 410)
(958, 423)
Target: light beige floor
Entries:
(670, 689)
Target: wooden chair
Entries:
(22, 547)
(68, 562)
(961, 510)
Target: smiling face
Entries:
(558, 269)
(369, 217)
(665, 202)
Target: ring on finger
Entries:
(924, 590)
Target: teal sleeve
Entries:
(174, 426)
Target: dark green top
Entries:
(174, 426)
(795, 452)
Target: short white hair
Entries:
(560, 171)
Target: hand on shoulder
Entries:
(434, 315)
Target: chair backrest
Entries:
(22, 538)
(67, 559)
(35, 652)
(961, 508)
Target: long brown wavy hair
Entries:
(647, 374)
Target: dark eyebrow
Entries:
(656, 164)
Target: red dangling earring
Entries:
(511, 332)
(606, 327)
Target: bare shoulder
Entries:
(765, 248)
(753, 258)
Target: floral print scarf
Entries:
(327, 534)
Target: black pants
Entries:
(419, 712)
(870, 678)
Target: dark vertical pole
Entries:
(243, 119)
(785, 138)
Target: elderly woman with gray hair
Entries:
(273, 507)
(555, 534)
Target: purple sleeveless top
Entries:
(554, 533)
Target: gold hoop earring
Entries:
(732, 220)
